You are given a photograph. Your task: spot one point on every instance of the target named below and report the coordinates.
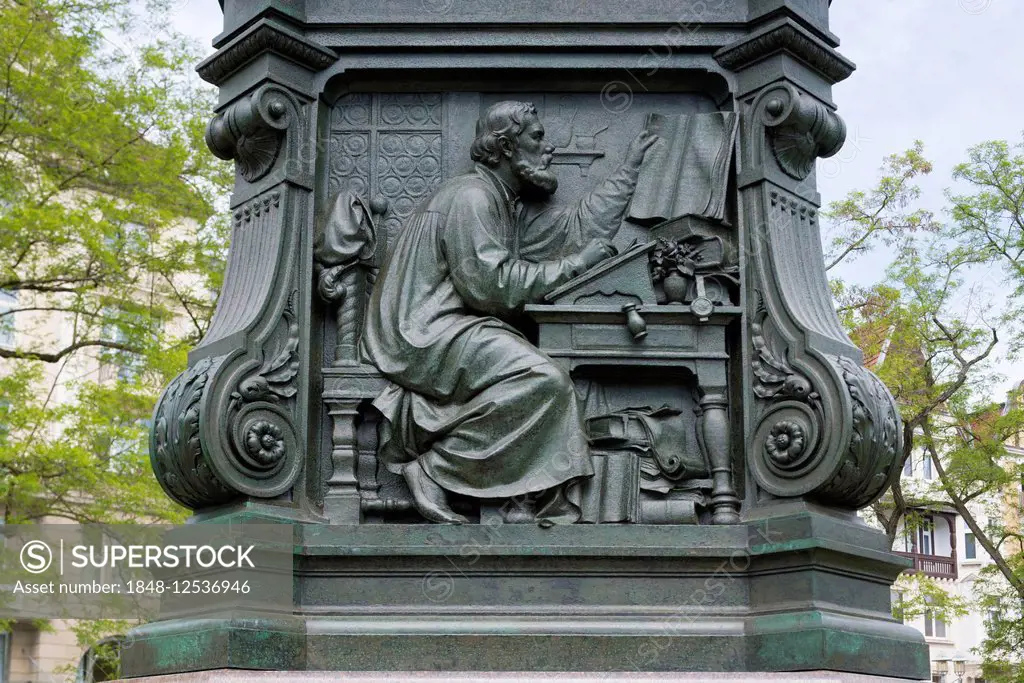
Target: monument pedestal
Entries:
(232, 676)
(805, 592)
(709, 352)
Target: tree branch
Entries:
(961, 507)
(67, 350)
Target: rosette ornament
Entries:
(785, 442)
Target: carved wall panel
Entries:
(393, 150)
(387, 146)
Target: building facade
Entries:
(943, 547)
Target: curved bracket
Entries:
(821, 426)
(180, 463)
(257, 456)
(227, 427)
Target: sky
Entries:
(947, 72)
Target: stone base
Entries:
(234, 676)
(799, 592)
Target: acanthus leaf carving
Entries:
(871, 462)
(273, 381)
(180, 463)
(776, 377)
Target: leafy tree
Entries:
(933, 332)
(109, 225)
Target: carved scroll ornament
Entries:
(251, 131)
(181, 465)
(225, 428)
(208, 448)
(800, 129)
(793, 456)
(871, 463)
(824, 428)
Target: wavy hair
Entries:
(501, 120)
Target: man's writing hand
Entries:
(638, 148)
(597, 250)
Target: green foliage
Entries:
(863, 220)
(1004, 624)
(989, 218)
(932, 332)
(112, 238)
(103, 639)
(919, 594)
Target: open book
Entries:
(687, 171)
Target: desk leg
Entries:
(725, 504)
(341, 501)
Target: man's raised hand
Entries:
(638, 148)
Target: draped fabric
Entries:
(349, 232)
(483, 410)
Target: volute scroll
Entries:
(251, 131)
(800, 129)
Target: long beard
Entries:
(537, 182)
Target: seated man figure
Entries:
(475, 408)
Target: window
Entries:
(933, 626)
(120, 328)
(128, 237)
(970, 549)
(5, 657)
(125, 362)
(993, 615)
(5, 408)
(926, 464)
(909, 538)
(994, 530)
(896, 604)
(908, 466)
(926, 536)
(8, 302)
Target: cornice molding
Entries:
(264, 36)
(788, 37)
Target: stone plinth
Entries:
(229, 676)
(805, 592)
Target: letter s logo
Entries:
(36, 557)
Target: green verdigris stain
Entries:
(181, 649)
(786, 546)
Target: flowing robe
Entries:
(483, 410)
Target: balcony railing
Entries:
(936, 566)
